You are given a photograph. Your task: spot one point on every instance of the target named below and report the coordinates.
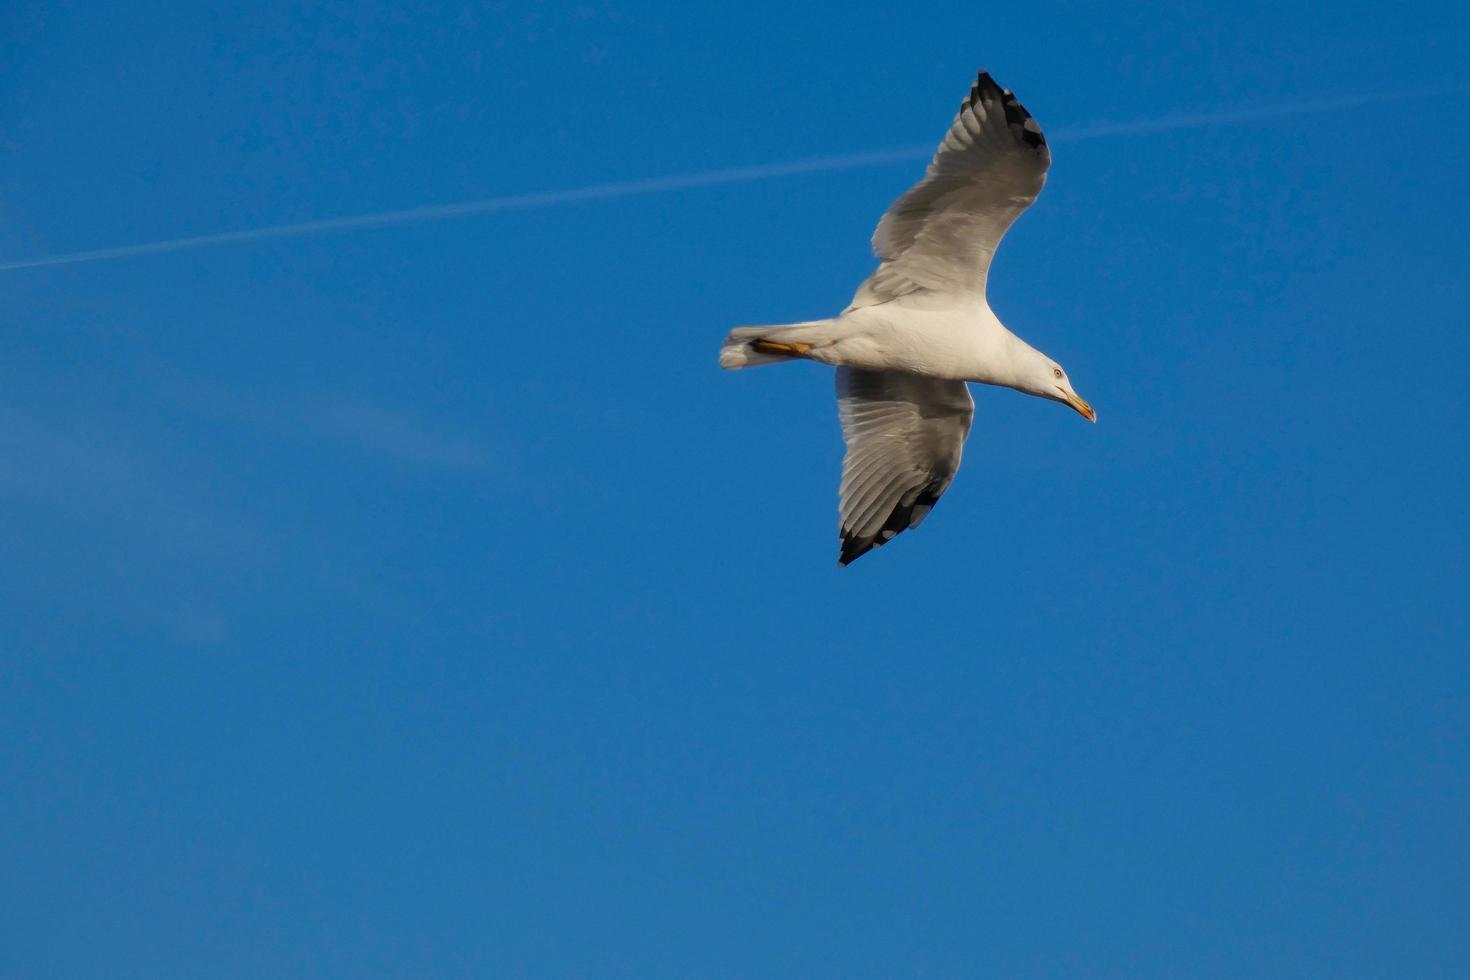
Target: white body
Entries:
(926, 334)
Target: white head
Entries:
(1043, 377)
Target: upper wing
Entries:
(904, 437)
(940, 235)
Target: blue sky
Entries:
(422, 601)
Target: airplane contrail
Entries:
(711, 178)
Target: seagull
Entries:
(919, 327)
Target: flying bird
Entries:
(919, 327)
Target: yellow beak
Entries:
(1083, 409)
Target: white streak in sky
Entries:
(711, 178)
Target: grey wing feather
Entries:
(905, 434)
(941, 234)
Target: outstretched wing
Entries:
(940, 235)
(904, 437)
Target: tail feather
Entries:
(744, 348)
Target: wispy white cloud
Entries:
(35, 459)
(534, 200)
(160, 533)
(111, 520)
(399, 437)
(386, 434)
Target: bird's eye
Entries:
(1057, 372)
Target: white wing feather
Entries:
(941, 234)
(905, 434)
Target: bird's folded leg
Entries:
(795, 349)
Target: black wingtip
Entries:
(1020, 120)
(984, 87)
(906, 515)
(1026, 128)
(853, 548)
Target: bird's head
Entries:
(1050, 381)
